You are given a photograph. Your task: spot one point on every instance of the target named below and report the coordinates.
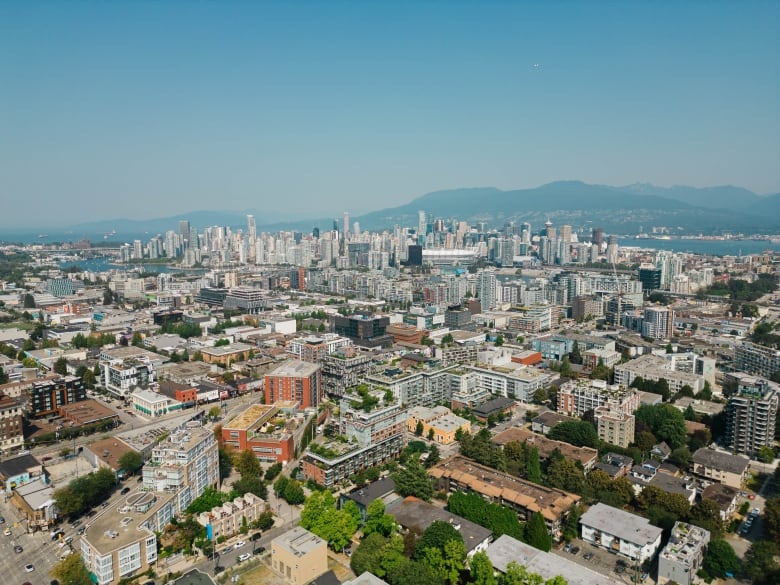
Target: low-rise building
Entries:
(586, 456)
(17, 471)
(726, 497)
(35, 502)
(506, 550)
(299, 556)
(47, 397)
(720, 467)
(228, 519)
(683, 555)
(415, 515)
(262, 430)
(524, 497)
(153, 404)
(89, 412)
(499, 405)
(225, 355)
(544, 422)
(381, 489)
(438, 419)
(656, 367)
(620, 532)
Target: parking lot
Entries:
(601, 561)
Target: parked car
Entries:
(587, 556)
(567, 548)
(125, 491)
(244, 557)
(239, 544)
(575, 550)
(2, 520)
(29, 568)
(18, 549)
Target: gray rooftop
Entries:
(299, 541)
(624, 525)
(376, 489)
(720, 460)
(507, 549)
(418, 515)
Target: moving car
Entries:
(239, 544)
(125, 491)
(244, 557)
(29, 568)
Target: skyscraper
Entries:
(346, 224)
(251, 227)
(486, 289)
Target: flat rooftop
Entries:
(295, 368)
(624, 525)
(299, 541)
(584, 455)
(250, 417)
(120, 526)
(549, 565)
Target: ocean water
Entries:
(712, 247)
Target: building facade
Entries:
(620, 532)
(295, 381)
(683, 555)
(751, 416)
(47, 397)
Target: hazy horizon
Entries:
(147, 110)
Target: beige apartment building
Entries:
(226, 520)
(299, 556)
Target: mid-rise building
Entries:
(47, 397)
(122, 369)
(366, 438)
(658, 322)
(621, 532)
(295, 381)
(576, 397)
(184, 464)
(11, 429)
(315, 348)
(751, 416)
(615, 426)
(683, 555)
(366, 330)
(658, 367)
(343, 369)
(757, 359)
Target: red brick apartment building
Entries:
(295, 381)
(253, 429)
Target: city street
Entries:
(39, 550)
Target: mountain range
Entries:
(621, 210)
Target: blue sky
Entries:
(144, 109)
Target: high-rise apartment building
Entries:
(295, 381)
(757, 359)
(751, 415)
(658, 323)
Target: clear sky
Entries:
(148, 108)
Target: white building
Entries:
(620, 532)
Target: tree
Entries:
(250, 484)
(413, 480)
(766, 454)
(214, 412)
(418, 429)
(533, 467)
(720, 559)
(436, 536)
(536, 533)
(61, 366)
(273, 471)
(131, 461)
(575, 356)
(89, 378)
(772, 518)
(706, 514)
(499, 340)
(293, 493)
(576, 432)
(377, 520)
(564, 474)
(319, 515)
(681, 458)
(492, 516)
(409, 572)
(71, 571)
(377, 554)
(434, 456)
(137, 340)
(759, 563)
(247, 464)
(29, 301)
(481, 569)
(430, 434)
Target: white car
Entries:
(29, 568)
(244, 557)
(239, 544)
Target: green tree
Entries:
(250, 484)
(61, 366)
(481, 570)
(533, 466)
(436, 536)
(409, 572)
(377, 520)
(89, 378)
(575, 356)
(772, 516)
(413, 480)
(28, 301)
(537, 534)
(430, 434)
(131, 461)
(71, 571)
(499, 340)
(759, 563)
(564, 474)
(214, 412)
(720, 559)
(293, 493)
(418, 429)
(137, 340)
(377, 554)
(706, 514)
(578, 432)
(766, 454)
(273, 471)
(434, 456)
(247, 464)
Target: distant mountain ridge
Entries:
(621, 210)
